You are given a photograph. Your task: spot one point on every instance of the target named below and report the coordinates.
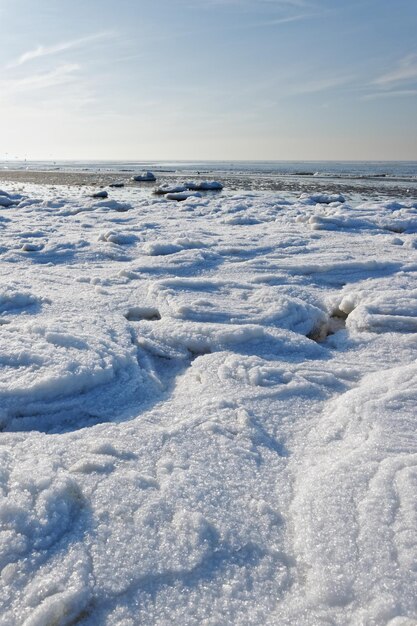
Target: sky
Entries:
(208, 79)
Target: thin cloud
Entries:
(318, 85)
(58, 76)
(248, 4)
(283, 20)
(43, 51)
(278, 3)
(303, 4)
(275, 12)
(404, 72)
(400, 93)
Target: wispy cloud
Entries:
(281, 5)
(283, 20)
(272, 3)
(405, 71)
(318, 85)
(299, 4)
(63, 74)
(397, 93)
(268, 13)
(44, 51)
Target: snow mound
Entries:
(204, 185)
(117, 237)
(237, 303)
(31, 247)
(163, 248)
(12, 300)
(167, 188)
(64, 370)
(113, 205)
(392, 312)
(183, 195)
(322, 198)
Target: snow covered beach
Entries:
(208, 408)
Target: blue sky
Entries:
(208, 79)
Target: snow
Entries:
(182, 195)
(167, 188)
(205, 185)
(207, 409)
(187, 190)
(322, 198)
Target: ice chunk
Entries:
(167, 188)
(6, 201)
(146, 177)
(182, 195)
(113, 205)
(322, 198)
(100, 194)
(204, 185)
(117, 237)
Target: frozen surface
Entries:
(208, 409)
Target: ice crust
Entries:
(207, 409)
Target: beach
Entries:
(359, 187)
(207, 406)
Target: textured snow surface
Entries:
(208, 409)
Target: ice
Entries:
(182, 195)
(117, 237)
(363, 468)
(117, 184)
(322, 198)
(5, 201)
(15, 300)
(205, 185)
(138, 313)
(31, 247)
(147, 177)
(162, 248)
(207, 409)
(100, 194)
(167, 188)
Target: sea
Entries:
(334, 169)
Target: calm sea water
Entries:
(404, 170)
